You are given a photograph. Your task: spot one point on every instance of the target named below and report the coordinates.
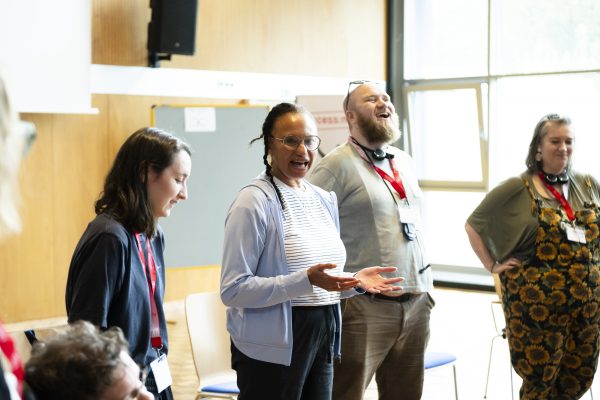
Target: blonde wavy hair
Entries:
(10, 157)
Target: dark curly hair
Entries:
(276, 112)
(125, 196)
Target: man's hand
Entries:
(373, 282)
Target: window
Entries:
(544, 36)
(450, 144)
(478, 76)
(445, 38)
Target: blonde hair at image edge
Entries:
(10, 157)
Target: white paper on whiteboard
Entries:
(200, 119)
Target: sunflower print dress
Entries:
(551, 306)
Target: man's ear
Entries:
(350, 117)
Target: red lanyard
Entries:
(561, 199)
(156, 340)
(396, 182)
(8, 348)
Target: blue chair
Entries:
(226, 390)
(434, 360)
(205, 316)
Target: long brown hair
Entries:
(125, 195)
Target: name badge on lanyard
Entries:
(408, 214)
(161, 372)
(575, 233)
(155, 337)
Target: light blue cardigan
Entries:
(255, 282)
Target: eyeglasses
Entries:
(292, 142)
(350, 84)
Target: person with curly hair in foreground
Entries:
(86, 364)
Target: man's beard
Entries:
(378, 132)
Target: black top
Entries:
(107, 284)
(4, 393)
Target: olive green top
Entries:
(507, 222)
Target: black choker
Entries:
(377, 154)
(552, 179)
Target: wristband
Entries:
(493, 265)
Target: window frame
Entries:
(427, 184)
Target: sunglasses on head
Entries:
(350, 90)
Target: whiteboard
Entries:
(222, 163)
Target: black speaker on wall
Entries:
(172, 29)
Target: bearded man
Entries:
(380, 207)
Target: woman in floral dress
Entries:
(539, 232)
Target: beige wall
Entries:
(63, 174)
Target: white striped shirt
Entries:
(310, 238)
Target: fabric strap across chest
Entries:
(561, 199)
(150, 269)
(8, 348)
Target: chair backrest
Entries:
(497, 285)
(498, 317)
(206, 321)
(43, 329)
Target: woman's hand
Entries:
(373, 282)
(318, 277)
(484, 255)
(505, 265)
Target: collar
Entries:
(369, 154)
(552, 179)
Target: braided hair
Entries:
(267, 133)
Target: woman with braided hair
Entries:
(282, 272)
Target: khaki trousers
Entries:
(386, 339)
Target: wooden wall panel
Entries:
(81, 162)
(61, 178)
(119, 32)
(306, 37)
(126, 114)
(26, 260)
(184, 281)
